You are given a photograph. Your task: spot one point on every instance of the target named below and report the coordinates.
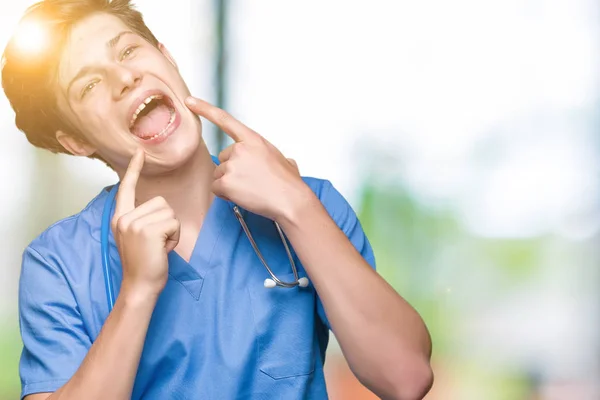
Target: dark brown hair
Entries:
(29, 81)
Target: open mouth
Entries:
(153, 117)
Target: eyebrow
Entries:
(114, 41)
(111, 44)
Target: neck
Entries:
(187, 189)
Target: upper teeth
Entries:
(142, 106)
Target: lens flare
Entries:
(30, 37)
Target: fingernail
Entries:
(190, 101)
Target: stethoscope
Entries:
(272, 282)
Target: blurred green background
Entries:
(465, 134)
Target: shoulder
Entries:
(72, 232)
(344, 216)
(321, 187)
(334, 202)
(324, 190)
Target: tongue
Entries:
(152, 123)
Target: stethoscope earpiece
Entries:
(270, 283)
(273, 281)
(303, 282)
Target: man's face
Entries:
(122, 93)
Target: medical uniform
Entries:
(216, 331)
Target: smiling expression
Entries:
(122, 92)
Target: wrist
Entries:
(137, 295)
(300, 201)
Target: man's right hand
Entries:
(144, 234)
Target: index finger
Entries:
(221, 118)
(126, 194)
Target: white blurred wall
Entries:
(432, 82)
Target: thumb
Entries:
(173, 236)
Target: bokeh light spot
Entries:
(31, 37)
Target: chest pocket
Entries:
(285, 326)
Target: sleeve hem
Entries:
(42, 387)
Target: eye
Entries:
(128, 52)
(88, 88)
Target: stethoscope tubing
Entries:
(104, 233)
(107, 212)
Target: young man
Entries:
(192, 319)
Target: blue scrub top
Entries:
(216, 331)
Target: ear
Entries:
(166, 53)
(75, 146)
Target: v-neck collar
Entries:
(206, 242)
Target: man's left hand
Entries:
(252, 173)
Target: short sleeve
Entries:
(344, 216)
(54, 339)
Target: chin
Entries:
(177, 153)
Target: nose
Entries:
(125, 79)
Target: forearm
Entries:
(109, 369)
(382, 337)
